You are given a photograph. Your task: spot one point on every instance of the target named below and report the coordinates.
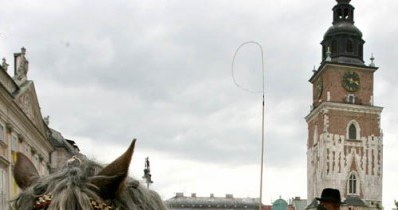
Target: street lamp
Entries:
(147, 173)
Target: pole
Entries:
(262, 132)
(263, 111)
(262, 156)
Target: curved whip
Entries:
(262, 65)
(263, 105)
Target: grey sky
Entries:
(160, 71)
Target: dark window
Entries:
(352, 184)
(334, 46)
(339, 14)
(352, 132)
(360, 50)
(346, 13)
(349, 46)
(351, 98)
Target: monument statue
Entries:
(4, 65)
(21, 66)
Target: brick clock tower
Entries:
(345, 140)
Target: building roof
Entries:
(342, 42)
(343, 28)
(279, 204)
(313, 204)
(181, 201)
(354, 201)
(57, 140)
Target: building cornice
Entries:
(323, 66)
(344, 107)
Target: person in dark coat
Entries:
(330, 199)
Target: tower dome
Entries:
(343, 1)
(279, 204)
(343, 38)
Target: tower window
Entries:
(339, 14)
(351, 98)
(352, 184)
(349, 46)
(346, 13)
(334, 46)
(352, 132)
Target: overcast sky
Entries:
(160, 71)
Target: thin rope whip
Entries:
(263, 105)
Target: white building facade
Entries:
(22, 128)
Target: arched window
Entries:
(352, 132)
(349, 46)
(339, 14)
(334, 46)
(352, 184)
(345, 13)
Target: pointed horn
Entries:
(111, 178)
(120, 165)
(25, 172)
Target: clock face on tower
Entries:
(351, 81)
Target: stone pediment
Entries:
(26, 99)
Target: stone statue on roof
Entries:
(4, 64)
(21, 65)
(47, 120)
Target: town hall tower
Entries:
(345, 140)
